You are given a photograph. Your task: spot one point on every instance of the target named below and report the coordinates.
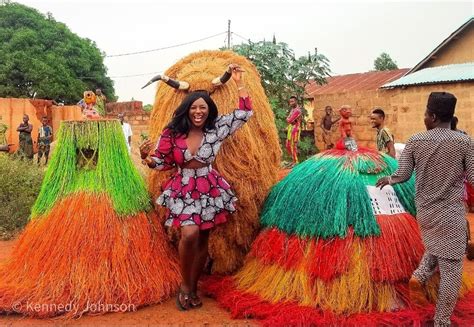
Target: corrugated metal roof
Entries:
(354, 82)
(435, 75)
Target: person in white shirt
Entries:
(127, 131)
(399, 147)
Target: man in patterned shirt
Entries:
(440, 158)
(384, 139)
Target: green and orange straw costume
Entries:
(93, 244)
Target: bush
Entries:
(20, 183)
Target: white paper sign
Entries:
(385, 201)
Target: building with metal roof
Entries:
(403, 93)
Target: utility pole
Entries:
(228, 34)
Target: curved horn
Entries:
(179, 85)
(218, 81)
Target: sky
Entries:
(351, 34)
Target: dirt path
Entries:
(164, 314)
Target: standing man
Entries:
(25, 149)
(127, 131)
(384, 139)
(100, 102)
(326, 125)
(45, 134)
(441, 158)
(294, 129)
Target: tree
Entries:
(42, 58)
(284, 75)
(384, 62)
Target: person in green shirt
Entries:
(384, 139)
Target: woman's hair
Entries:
(181, 124)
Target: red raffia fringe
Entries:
(246, 305)
(395, 254)
(82, 258)
(391, 257)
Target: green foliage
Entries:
(20, 183)
(148, 107)
(42, 58)
(284, 75)
(384, 62)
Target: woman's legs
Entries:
(188, 250)
(200, 258)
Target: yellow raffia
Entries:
(249, 160)
(350, 293)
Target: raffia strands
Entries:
(396, 253)
(82, 255)
(113, 172)
(341, 274)
(348, 293)
(247, 305)
(249, 160)
(313, 199)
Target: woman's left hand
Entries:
(236, 72)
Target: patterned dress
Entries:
(198, 196)
(440, 157)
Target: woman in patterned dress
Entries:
(196, 196)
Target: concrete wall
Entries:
(404, 110)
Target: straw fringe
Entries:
(83, 255)
(113, 172)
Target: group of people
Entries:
(45, 136)
(198, 198)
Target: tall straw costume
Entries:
(93, 244)
(335, 250)
(249, 160)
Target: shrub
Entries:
(20, 183)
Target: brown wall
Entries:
(134, 115)
(404, 110)
(458, 51)
(12, 111)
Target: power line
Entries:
(167, 47)
(242, 37)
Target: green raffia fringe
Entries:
(113, 174)
(326, 194)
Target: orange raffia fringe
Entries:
(249, 160)
(83, 258)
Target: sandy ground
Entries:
(164, 314)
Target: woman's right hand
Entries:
(145, 148)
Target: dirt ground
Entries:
(164, 314)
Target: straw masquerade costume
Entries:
(247, 163)
(93, 244)
(336, 252)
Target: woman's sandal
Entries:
(183, 301)
(196, 301)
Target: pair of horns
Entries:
(182, 85)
